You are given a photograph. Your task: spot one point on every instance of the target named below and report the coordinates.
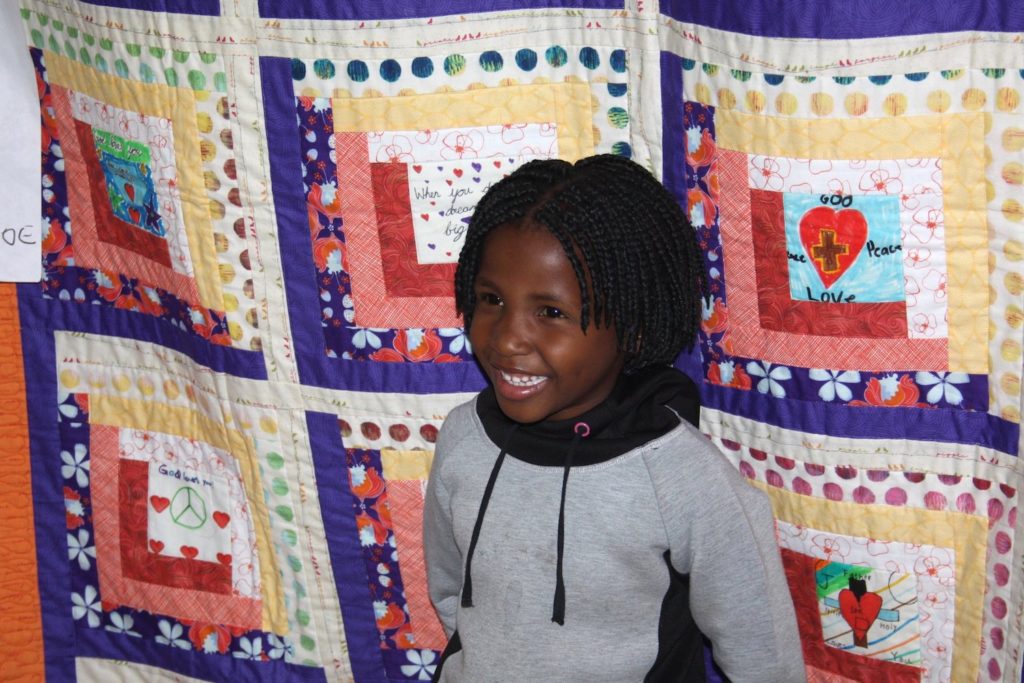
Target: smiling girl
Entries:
(577, 526)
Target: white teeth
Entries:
(522, 380)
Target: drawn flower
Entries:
(421, 664)
(881, 180)
(840, 187)
(918, 258)
(86, 605)
(830, 548)
(76, 465)
(122, 623)
(398, 151)
(771, 377)
(426, 136)
(926, 224)
(936, 282)
(459, 144)
(939, 569)
(937, 600)
(942, 386)
(80, 550)
(509, 132)
(924, 324)
(834, 383)
(768, 173)
(170, 634)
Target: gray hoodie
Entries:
(659, 541)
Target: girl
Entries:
(577, 526)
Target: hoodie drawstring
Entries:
(467, 583)
(580, 431)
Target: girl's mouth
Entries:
(521, 380)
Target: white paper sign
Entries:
(20, 188)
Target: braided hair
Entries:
(625, 237)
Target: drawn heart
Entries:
(433, 203)
(221, 518)
(497, 164)
(130, 191)
(449, 182)
(466, 220)
(431, 245)
(833, 240)
(156, 546)
(859, 613)
(476, 179)
(476, 166)
(224, 558)
(159, 503)
(189, 551)
(447, 253)
(425, 216)
(134, 214)
(417, 168)
(457, 172)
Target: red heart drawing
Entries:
(497, 164)
(859, 613)
(448, 181)
(425, 216)
(457, 172)
(134, 214)
(221, 518)
(224, 558)
(189, 551)
(417, 168)
(130, 191)
(159, 503)
(833, 240)
(156, 546)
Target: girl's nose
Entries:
(509, 336)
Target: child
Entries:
(575, 528)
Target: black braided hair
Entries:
(622, 231)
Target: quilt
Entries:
(222, 397)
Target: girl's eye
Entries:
(489, 299)
(552, 312)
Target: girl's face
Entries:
(526, 330)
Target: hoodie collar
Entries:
(641, 407)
